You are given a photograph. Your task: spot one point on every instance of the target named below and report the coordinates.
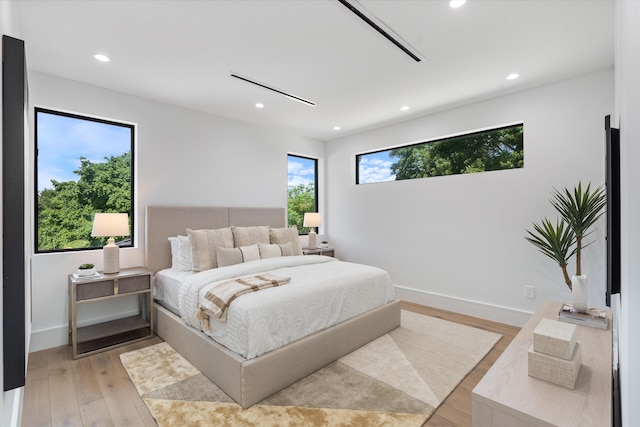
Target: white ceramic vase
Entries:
(579, 293)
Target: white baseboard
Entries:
(59, 335)
(479, 309)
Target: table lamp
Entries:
(312, 219)
(109, 225)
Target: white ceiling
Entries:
(182, 52)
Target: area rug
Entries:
(397, 380)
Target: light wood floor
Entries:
(96, 390)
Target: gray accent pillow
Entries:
(275, 250)
(245, 236)
(204, 244)
(286, 235)
(232, 256)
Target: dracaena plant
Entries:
(578, 210)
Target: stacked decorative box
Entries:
(555, 355)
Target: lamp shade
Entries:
(312, 219)
(110, 224)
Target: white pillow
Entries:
(275, 250)
(175, 251)
(232, 256)
(181, 253)
(185, 261)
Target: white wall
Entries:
(183, 157)
(457, 241)
(627, 112)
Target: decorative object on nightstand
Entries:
(110, 225)
(578, 210)
(85, 270)
(594, 317)
(555, 355)
(312, 219)
(90, 339)
(324, 244)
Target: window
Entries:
(83, 165)
(494, 149)
(302, 189)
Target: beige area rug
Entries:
(397, 380)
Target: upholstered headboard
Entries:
(166, 221)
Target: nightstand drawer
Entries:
(132, 284)
(92, 290)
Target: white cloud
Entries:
(295, 180)
(375, 169)
(300, 172)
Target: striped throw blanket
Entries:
(218, 298)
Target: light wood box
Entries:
(555, 338)
(556, 370)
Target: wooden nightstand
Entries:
(319, 251)
(98, 337)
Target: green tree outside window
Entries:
(490, 150)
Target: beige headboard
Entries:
(166, 221)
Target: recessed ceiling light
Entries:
(102, 58)
(513, 76)
(259, 105)
(404, 108)
(456, 3)
(337, 128)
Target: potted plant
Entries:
(578, 211)
(85, 270)
(324, 244)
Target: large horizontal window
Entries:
(488, 150)
(302, 190)
(83, 166)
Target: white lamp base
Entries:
(111, 257)
(312, 239)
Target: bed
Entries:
(248, 376)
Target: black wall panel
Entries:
(14, 109)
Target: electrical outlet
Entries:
(529, 291)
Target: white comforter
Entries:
(323, 292)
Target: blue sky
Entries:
(63, 140)
(376, 167)
(301, 171)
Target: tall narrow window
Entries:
(83, 165)
(487, 150)
(302, 189)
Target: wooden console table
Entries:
(508, 396)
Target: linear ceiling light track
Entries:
(281, 92)
(378, 27)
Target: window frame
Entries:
(315, 186)
(132, 145)
(359, 156)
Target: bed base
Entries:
(250, 381)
